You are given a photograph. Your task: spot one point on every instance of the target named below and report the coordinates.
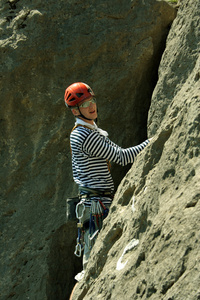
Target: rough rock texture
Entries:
(44, 47)
(149, 246)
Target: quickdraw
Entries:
(106, 210)
(98, 212)
(79, 246)
(92, 224)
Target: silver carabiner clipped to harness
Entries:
(81, 203)
(78, 249)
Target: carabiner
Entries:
(78, 250)
(77, 207)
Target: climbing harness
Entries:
(88, 192)
(96, 214)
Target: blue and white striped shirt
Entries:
(90, 152)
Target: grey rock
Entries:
(149, 246)
(44, 47)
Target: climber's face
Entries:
(87, 108)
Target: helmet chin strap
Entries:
(82, 116)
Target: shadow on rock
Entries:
(63, 265)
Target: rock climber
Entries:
(92, 151)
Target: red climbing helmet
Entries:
(77, 92)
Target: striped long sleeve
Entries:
(90, 152)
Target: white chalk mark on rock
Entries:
(133, 243)
(133, 204)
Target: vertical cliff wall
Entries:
(149, 246)
(44, 47)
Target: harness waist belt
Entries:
(90, 192)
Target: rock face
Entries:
(149, 244)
